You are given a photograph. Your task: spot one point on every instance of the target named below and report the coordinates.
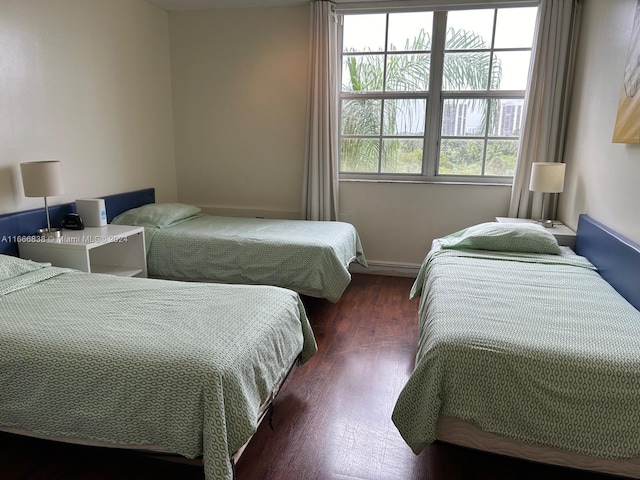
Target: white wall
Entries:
(87, 83)
(240, 79)
(603, 178)
(397, 222)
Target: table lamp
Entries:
(43, 179)
(546, 178)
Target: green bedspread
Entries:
(184, 366)
(305, 256)
(535, 348)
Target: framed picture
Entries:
(627, 128)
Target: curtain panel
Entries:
(320, 183)
(547, 100)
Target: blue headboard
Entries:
(17, 224)
(616, 257)
(121, 202)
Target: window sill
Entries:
(425, 182)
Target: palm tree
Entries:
(464, 69)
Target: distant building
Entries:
(510, 119)
(458, 120)
(454, 118)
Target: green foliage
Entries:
(460, 157)
(501, 157)
(361, 117)
(468, 70)
(366, 73)
(464, 157)
(359, 155)
(401, 156)
(410, 72)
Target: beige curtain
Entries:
(547, 100)
(320, 183)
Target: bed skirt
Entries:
(459, 432)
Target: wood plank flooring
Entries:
(331, 420)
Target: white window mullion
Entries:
(384, 91)
(434, 103)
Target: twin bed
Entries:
(309, 257)
(527, 350)
(179, 368)
(172, 367)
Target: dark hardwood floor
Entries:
(331, 419)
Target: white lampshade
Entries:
(547, 177)
(42, 179)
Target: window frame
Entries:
(433, 96)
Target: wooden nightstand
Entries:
(565, 236)
(113, 249)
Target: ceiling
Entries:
(211, 4)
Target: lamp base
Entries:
(49, 232)
(545, 223)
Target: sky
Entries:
(514, 28)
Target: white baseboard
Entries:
(391, 269)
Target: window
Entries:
(434, 95)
